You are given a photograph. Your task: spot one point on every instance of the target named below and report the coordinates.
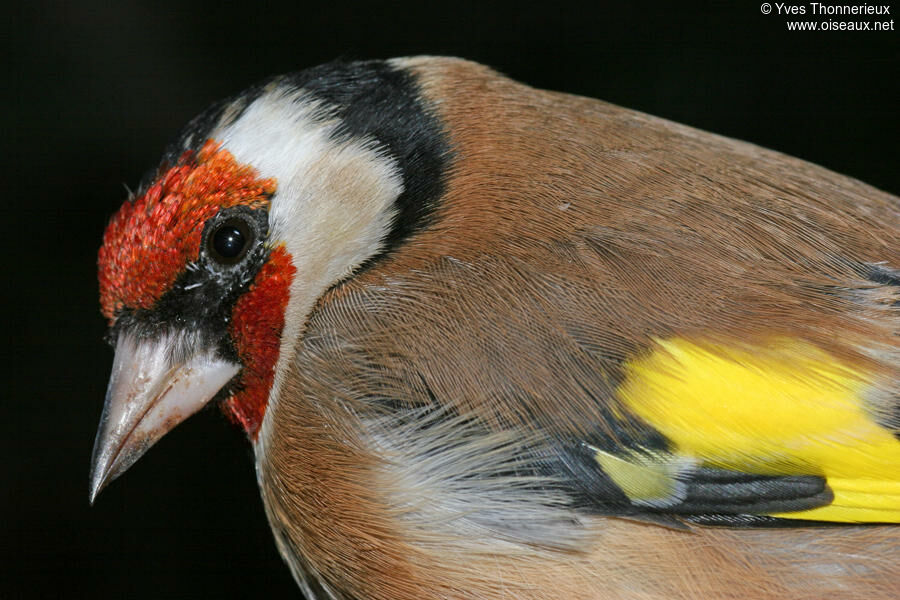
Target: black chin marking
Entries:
(202, 298)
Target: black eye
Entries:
(229, 242)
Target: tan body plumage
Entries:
(417, 396)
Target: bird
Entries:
(489, 341)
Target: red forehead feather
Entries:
(151, 240)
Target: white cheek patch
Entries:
(334, 201)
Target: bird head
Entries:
(208, 274)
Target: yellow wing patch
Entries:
(784, 409)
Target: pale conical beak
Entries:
(149, 393)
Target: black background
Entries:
(93, 92)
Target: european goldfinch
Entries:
(493, 342)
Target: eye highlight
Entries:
(230, 240)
